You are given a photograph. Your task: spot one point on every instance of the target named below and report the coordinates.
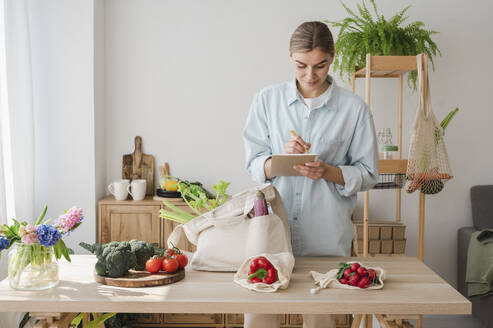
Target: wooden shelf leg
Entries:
(367, 193)
(365, 223)
(399, 144)
(357, 320)
(381, 321)
(421, 232)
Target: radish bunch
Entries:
(355, 275)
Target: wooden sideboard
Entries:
(125, 220)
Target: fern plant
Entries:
(364, 33)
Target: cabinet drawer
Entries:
(199, 318)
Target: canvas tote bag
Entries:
(428, 165)
(226, 236)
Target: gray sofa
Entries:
(482, 217)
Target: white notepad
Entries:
(282, 165)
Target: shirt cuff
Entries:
(352, 180)
(257, 171)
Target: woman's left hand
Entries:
(313, 170)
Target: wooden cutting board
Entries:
(136, 279)
(138, 165)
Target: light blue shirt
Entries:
(343, 134)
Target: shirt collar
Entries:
(293, 93)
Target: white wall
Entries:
(99, 103)
(63, 101)
(182, 74)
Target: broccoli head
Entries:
(118, 258)
(143, 251)
(114, 259)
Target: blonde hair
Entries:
(311, 35)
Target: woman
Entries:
(328, 120)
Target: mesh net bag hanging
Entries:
(428, 165)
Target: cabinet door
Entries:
(126, 222)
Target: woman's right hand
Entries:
(296, 145)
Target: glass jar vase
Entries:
(32, 267)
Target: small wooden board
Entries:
(141, 279)
(139, 166)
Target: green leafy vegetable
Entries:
(197, 198)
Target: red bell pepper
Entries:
(261, 270)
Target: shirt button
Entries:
(295, 218)
(297, 194)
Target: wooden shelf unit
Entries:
(391, 67)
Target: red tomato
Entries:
(343, 281)
(170, 265)
(362, 271)
(354, 266)
(170, 252)
(364, 282)
(354, 279)
(182, 260)
(153, 265)
(347, 273)
(371, 274)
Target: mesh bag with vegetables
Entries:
(428, 166)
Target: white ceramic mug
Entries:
(119, 189)
(137, 188)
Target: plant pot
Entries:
(32, 267)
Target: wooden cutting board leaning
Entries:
(138, 165)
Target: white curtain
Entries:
(20, 105)
(16, 124)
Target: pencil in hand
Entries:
(295, 135)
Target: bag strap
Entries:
(175, 236)
(421, 90)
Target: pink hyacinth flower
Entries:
(68, 220)
(30, 236)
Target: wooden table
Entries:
(410, 288)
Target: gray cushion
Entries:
(482, 206)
